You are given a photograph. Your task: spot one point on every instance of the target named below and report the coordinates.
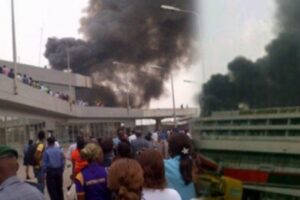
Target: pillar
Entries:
(158, 123)
(50, 125)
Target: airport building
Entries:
(260, 147)
(27, 109)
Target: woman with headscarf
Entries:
(179, 167)
(126, 179)
(91, 182)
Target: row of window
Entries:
(67, 134)
(272, 196)
(292, 121)
(251, 133)
(247, 158)
(64, 134)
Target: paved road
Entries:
(67, 173)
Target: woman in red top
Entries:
(77, 161)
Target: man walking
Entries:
(26, 161)
(53, 167)
(38, 156)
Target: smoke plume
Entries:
(271, 81)
(137, 32)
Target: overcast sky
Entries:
(231, 28)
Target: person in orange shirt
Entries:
(77, 161)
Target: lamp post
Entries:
(190, 81)
(172, 8)
(14, 45)
(127, 84)
(173, 94)
(69, 72)
(176, 9)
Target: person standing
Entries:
(91, 182)
(131, 135)
(123, 151)
(139, 143)
(121, 137)
(179, 167)
(11, 73)
(56, 143)
(53, 167)
(163, 138)
(38, 156)
(126, 179)
(107, 146)
(72, 148)
(154, 136)
(155, 183)
(77, 162)
(11, 188)
(26, 159)
(5, 70)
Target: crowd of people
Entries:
(27, 80)
(130, 166)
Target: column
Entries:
(158, 123)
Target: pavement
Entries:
(66, 178)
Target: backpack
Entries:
(30, 155)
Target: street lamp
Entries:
(127, 83)
(119, 63)
(173, 95)
(168, 7)
(14, 45)
(175, 9)
(172, 8)
(190, 81)
(69, 71)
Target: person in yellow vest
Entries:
(38, 156)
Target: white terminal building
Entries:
(29, 110)
(261, 147)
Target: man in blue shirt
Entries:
(53, 166)
(139, 143)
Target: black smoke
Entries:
(137, 32)
(271, 81)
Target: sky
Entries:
(233, 28)
(229, 28)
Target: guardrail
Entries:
(33, 99)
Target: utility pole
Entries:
(69, 71)
(14, 46)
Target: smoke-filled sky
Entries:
(136, 32)
(272, 80)
(236, 27)
(230, 28)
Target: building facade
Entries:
(260, 147)
(26, 109)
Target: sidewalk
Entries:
(67, 173)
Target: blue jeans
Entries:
(40, 179)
